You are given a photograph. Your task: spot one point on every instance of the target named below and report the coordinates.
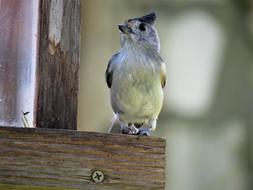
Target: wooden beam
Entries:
(58, 63)
(66, 159)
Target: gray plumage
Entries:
(136, 77)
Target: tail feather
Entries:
(115, 127)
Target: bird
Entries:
(136, 77)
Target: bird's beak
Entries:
(125, 29)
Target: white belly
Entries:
(137, 97)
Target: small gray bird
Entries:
(136, 76)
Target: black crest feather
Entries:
(149, 18)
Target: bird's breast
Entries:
(136, 93)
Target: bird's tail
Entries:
(115, 127)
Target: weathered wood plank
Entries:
(58, 63)
(64, 158)
(30, 187)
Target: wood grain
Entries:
(50, 158)
(58, 63)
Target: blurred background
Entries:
(207, 118)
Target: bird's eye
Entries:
(142, 27)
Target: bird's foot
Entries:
(134, 130)
(130, 130)
(144, 132)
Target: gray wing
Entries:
(108, 75)
(109, 71)
(162, 71)
(163, 74)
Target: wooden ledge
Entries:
(66, 159)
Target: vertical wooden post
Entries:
(58, 63)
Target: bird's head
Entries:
(140, 32)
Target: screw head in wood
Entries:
(98, 176)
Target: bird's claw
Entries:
(130, 130)
(144, 132)
(133, 130)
